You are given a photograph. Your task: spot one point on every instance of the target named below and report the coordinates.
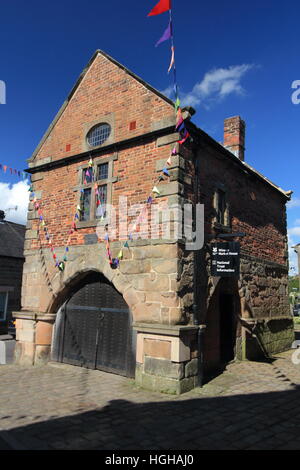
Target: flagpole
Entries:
(173, 49)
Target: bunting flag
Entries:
(161, 7)
(185, 137)
(172, 59)
(177, 104)
(155, 190)
(167, 35)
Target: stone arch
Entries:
(64, 283)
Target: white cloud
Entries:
(12, 196)
(168, 91)
(217, 84)
(294, 231)
(295, 202)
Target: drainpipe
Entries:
(188, 112)
(196, 313)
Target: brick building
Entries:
(160, 309)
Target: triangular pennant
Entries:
(172, 59)
(149, 201)
(186, 136)
(181, 127)
(161, 7)
(166, 172)
(177, 103)
(90, 162)
(169, 161)
(166, 35)
(120, 254)
(155, 190)
(126, 245)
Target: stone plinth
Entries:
(165, 357)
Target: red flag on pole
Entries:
(161, 7)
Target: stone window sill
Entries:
(222, 228)
(91, 223)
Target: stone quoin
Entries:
(148, 312)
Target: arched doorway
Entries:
(223, 330)
(93, 328)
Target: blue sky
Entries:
(232, 58)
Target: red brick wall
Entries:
(105, 89)
(255, 208)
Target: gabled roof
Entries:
(81, 77)
(12, 237)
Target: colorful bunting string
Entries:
(19, 173)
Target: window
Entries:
(221, 207)
(86, 204)
(103, 171)
(3, 305)
(98, 135)
(95, 190)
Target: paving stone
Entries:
(249, 406)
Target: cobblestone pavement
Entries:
(252, 405)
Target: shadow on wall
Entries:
(263, 421)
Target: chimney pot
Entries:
(234, 136)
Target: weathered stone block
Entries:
(191, 368)
(167, 139)
(42, 355)
(43, 333)
(165, 266)
(135, 266)
(170, 188)
(146, 312)
(157, 348)
(163, 368)
(25, 335)
(132, 297)
(160, 283)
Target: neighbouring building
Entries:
(160, 310)
(297, 250)
(12, 237)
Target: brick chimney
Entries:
(234, 136)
